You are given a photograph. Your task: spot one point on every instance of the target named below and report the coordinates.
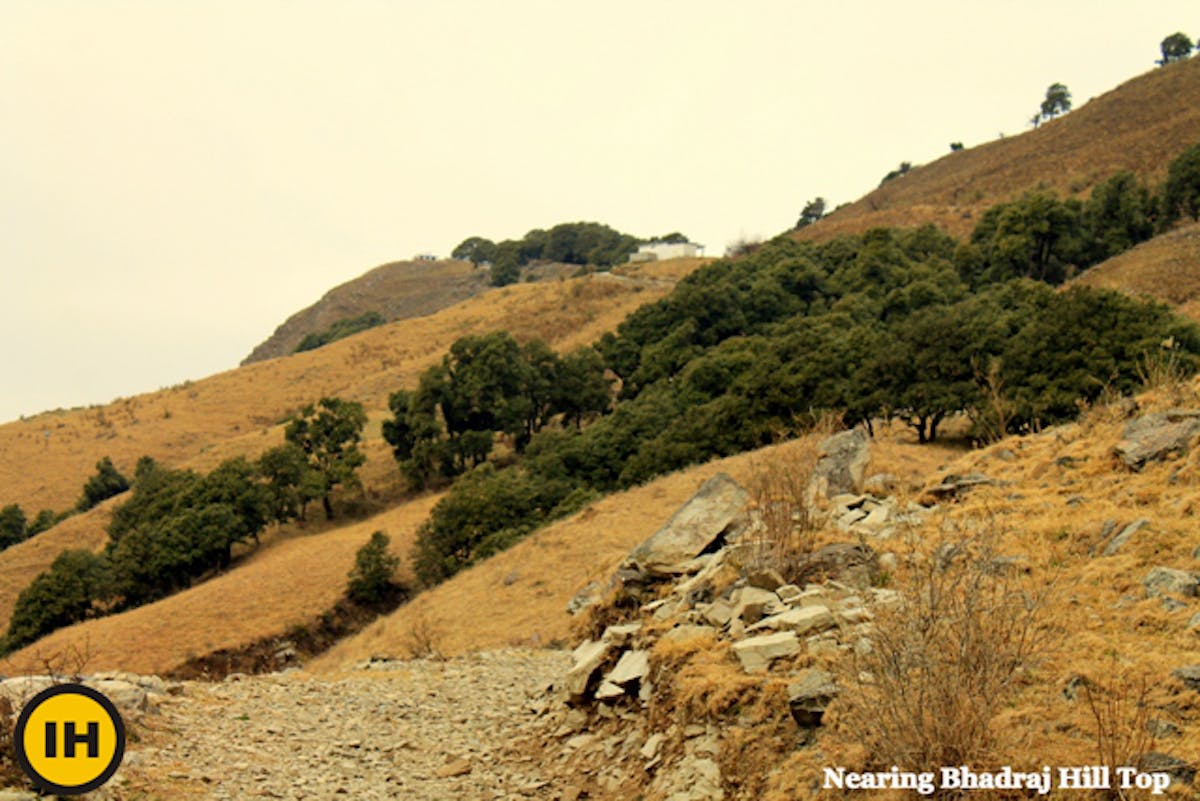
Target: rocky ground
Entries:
(420, 729)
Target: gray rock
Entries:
(718, 612)
(848, 562)
(765, 578)
(1156, 762)
(757, 653)
(841, 463)
(802, 620)
(622, 633)
(1154, 437)
(1189, 675)
(651, 746)
(688, 631)
(694, 527)
(810, 695)
(633, 666)
(751, 604)
(588, 657)
(881, 483)
(1169, 580)
(695, 779)
(952, 485)
(588, 597)
(788, 593)
(17, 795)
(1118, 542)
(1194, 622)
(1161, 729)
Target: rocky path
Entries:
(423, 729)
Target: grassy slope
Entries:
(398, 290)
(1167, 268)
(199, 423)
(1140, 126)
(235, 413)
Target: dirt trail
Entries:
(423, 729)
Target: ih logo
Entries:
(69, 739)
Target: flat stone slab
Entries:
(757, 653)
(694, 526)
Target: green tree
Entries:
(329, 434)
(1036, 236)
(340, 330)
(1119, 214)
(505, 268)
(1057, 101)
(45, 519)
(291, 483)
(475, 249)
(66, 593)
(372, 578)
(580, 387)
(1175, 47)
(12, 526)
(1181, 193)
(813, 211)
(105, 484)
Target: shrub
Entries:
(66, 593)
(371, 579)
(943, 661)
(105, 484)
(12, 525)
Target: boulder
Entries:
(1118, 542)
(765, 578)
(848, 562)
(757, 653)
(687, 631)
(801, 620)
(810, 695)
(841, 462)
(882, 484)
(1156, 762)
(1189, 675)
(1169, 580)
(622, 633)
(751, 604)
(633, 666)
(586, 598)
(951, 485)
(694, 527)
(126, 696)
(789, 593)
(694, 779)
(588, 657)
(1154, 437)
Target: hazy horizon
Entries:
(178, 179)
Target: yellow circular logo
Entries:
(69, 739)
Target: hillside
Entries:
(198, 423)
(1140, 126)
(1166, 268)
(397, 291)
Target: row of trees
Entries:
(888, 324)
(487, 386)
(105, 483)
(570, 243)
(179, 525)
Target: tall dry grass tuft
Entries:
(1120, 710)
(992, 416)
(944, 660)
(1164, 373)
(786, 519)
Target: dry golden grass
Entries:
(1167, 268)
(520, 596)
(199, 423)
(665, 270)
(1140, 126)
(277, 588)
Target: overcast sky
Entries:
(176, 178)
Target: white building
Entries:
(653, 251)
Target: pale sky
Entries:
(177, 177)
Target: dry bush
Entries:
(421, 640)
(1164, 373)
(787, 521)
(1120, 710)
(944, 660)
